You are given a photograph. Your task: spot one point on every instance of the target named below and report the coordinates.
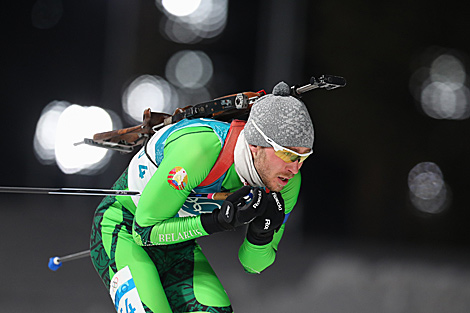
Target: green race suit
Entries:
(154, 233)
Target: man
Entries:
(144, 247)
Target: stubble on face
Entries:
(266, 171)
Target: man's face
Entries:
(274, 172)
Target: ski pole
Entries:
(56, 262)
(99, 192)
(69, 191)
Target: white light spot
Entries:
(207, 21)
(440, 88)
(181, 7)
(193, 96)
(145, 92)
(428, 191)
(189, 69)
(46, 129)
(426, 185)
(75, 124)
(448, 69)
(445, 101)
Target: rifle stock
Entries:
(132, 136)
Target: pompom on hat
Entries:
(281, 117)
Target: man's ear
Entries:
(254, 150)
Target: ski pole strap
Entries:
(225, 158)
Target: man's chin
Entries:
(275, 184)
(275, 187)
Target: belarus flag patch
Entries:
(178, 178)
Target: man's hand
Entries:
(240, 208)
(261, 230)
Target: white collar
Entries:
(244, 163)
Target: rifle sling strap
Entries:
(225, 158)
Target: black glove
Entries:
(261, 230)
(238, 209)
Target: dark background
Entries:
(366, 247)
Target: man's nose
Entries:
(294, 167)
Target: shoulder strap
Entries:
(225, 158)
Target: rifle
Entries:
(223, 109)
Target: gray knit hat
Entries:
(282, 118)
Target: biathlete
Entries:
(144, 247)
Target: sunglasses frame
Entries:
(280, 149)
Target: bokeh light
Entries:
(193, 96)
(145, 92)
(62, 125)
(76, 123)
(181, 7)
(46, 129)
(440, 86)
(189, 69)
(427, 188)
(207, 20)
(444, 101)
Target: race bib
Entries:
(124, 293)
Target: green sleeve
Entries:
(195, 150)
(255, 258)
